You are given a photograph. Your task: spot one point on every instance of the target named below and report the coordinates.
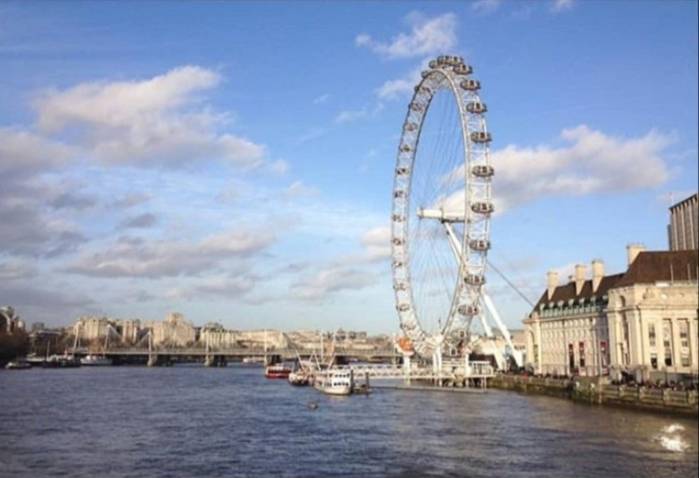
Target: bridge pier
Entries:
(215, 361)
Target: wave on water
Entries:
(671, 440)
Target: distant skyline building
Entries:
(683, 230)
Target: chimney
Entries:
(551, 282)
(579, 278)
(632, 251)
(597, 274)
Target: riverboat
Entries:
(95, 360)
(299, 378)
(278, 370)
(334, 381)
(19, 364)
(61, 361)
(253, 360)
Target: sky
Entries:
(234, 161)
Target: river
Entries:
(187, 421)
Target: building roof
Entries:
(661, 266)
(694, 196)
(567, 291)
(648, 267)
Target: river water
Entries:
(187, 421)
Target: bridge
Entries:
(220, 356)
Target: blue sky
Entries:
(233, 161)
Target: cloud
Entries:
(377, 242)
(15, 270)
(130, 200)
(278, 167)
(486, 6)
(169, 258)
(400, 87)
(590, 163)
(73, 200)
(226, 287)
(147, 123)
(350, 115)
(297, 189)
(24, 154)
(330, 280)
(321, 99)
(561, 5)
(141, 221)
(36, 303)
(428, 36)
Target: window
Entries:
(581, 348)
(651, 334)
(684, 342)
(667, 341)
(654, 361)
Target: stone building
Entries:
(683, 230)
(216, 336)
(91, 327)
(653, 316)
(566, 332)
(174, 331)
(641, 322)
(126, 331)
(9, 320)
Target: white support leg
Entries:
(505, 333)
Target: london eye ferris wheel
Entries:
(441, 212)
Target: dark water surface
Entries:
(190, 421)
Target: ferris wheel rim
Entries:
(442, 78)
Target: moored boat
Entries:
(61, 361)
(334, 381)
(278, 370)
(95, 360)
(299, 378)
(19, 364)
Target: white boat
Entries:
(95, 360)
(19, 364)
(334, 381)
(253, 360)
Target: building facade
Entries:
(567, 331)
(683, 231)
(174, 331)
(652, 314)
(9, 320)
(642, 322)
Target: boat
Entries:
(95, 360)
(61, 361)
(35, 360)
(299, 378)
(277, 370)
(253, 360)
(334, 381)
(19, 364)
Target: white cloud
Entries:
(321, 99)
(399, 87)
(278, 167)
(148, 122)
(377, 242)
(486, 6)
(427, 36)
(348, 116)
(592, 162)
(165, 258)
(297, 189)
(330, 280)
(561, 5)
(23, 154)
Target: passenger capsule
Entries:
(411, 126)
(476, 107)
(398, 241)
(403, 307)
(398, 218)
(400, 286)
(425, 73)
(483, 171)
(397, 264)
(468, 310)
(479, 245)
(474, 279)
(405, 148)
(482, 207)
(461, 69)
(481, 137)
(441, 60)
(402, 171)
(471, 85)
(416, 107)
(399, 194)
(433, 64)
